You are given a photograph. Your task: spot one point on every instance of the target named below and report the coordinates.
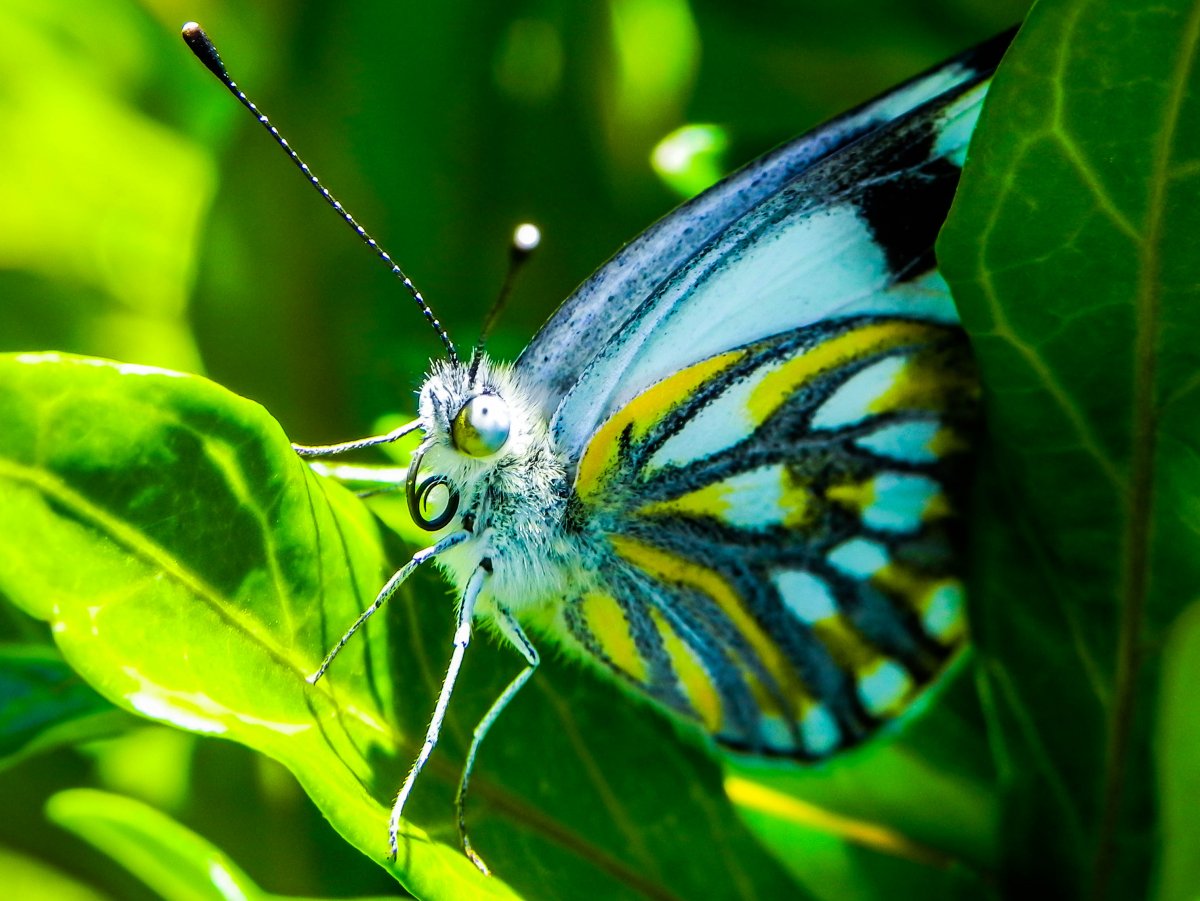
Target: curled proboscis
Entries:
(418, 498)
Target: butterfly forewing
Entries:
(853, 236)
(600, 309)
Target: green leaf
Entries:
(177, 863)
(1072, 250)
(691, 158)
(1176, 738)
(194, 570)
(30, 879)
(132, 234)
(44, 704)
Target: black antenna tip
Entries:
(204, 50)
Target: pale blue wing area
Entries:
(589, 319)
(851, 236)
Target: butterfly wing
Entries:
(599, 308)
(852, 235)
(766, 431)
(776, 525)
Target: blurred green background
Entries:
(146, 218)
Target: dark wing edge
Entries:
(586, 320)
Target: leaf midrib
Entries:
(1139, 523)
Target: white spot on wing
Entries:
(884, 687)
(900, 501)
(852, 401)
(944, 612)
(755, 498)
(775, 733)
(820, 730)
(859, 557)
(906, 441)
(806, 596)
(718, 426)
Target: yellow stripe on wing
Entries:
(948, 440)
(672, 570)
(846, 646)
(777, 386)
(709, 501)
(641, 414)
(697, 686)
(608, 625)
(856, 495)
(758, 499)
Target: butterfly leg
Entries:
(393, 584)
(510, 629)
(462, 637)
(328, 450)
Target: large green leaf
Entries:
(1073, 252)
(194, 570)
(190, 568)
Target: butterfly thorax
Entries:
(514, 502)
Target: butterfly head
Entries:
(473, 421)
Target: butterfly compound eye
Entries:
(481, 426)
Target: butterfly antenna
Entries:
(524, 242)
(204, 49)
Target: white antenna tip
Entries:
(527, 237)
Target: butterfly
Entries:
(729, 470)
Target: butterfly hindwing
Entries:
(777, 522)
